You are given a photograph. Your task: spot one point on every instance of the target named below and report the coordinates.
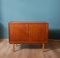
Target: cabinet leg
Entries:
(43, 46)
(13, 47)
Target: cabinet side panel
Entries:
(46, 33)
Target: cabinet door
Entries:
(18, 32)
(37, 32)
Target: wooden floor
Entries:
(52, 50)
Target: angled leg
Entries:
(43, 46)
(13, 47)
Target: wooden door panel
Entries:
(18, 32)
(37, 32)
(34, 32)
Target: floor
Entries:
(52, 50)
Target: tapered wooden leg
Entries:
(13, 47)
(43, 46)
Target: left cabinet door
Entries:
(18, 32)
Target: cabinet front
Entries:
(28, 33)
(18, 32)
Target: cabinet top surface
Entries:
(29, 22)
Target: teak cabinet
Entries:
(28, 33)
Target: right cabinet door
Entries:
(38, 32)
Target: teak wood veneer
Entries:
(28, 33)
